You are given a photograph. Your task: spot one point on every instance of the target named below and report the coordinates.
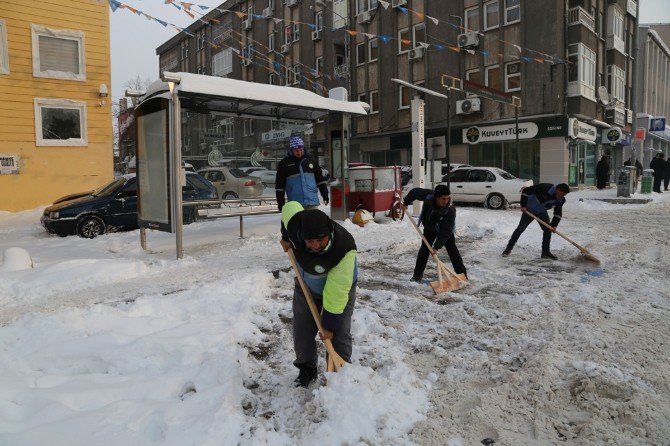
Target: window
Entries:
(404, 42)
(512, 11)
(616, 79)
(296, 32)
(362, 97)
(60, 122)
(472, 19)
(318, 64)
(318, 20)
(360, 53)
(581, 71)
(481, 176)
(366, 5)
(491, 15)
(405, 97)
(373, 47)
(58, 54)
(616, 23)
(4, 53)
(222, 63)
(459, 176)
(287, 35)
(419, 34)
(288, 76)
(513, 76)
(296, 74)
(184, 51)
(493, 77)
(374, 102)
(474, 76)
(271, 5)
(271, 41)
(248, 127)
(272, 80)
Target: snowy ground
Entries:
(102, 343)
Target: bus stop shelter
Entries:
(159, 118)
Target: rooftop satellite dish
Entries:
(603, 95)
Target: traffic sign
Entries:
(657, 124)
(640, 134)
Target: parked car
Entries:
(267, 176)
(113, 207)
(491, 186)
(453, 166)
(232, 183)
(405, 174)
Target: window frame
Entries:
(509, 8)
(373, 109)
(401, 89)
(584, 65)
(225, 55)
(271, 41)
(486, 73)
(509, 76)
(421, 25)
(360, 46)
(485, 15)
(65, 34)
(248, 127)
(319, 73)
(296, 32)
(466, 22)
(60, 103)
(400, 44)
(370, 59)
(616, 81)
(318, 20)
(4, 49)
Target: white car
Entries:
(491, 186)
(453, 166)
(267, 176)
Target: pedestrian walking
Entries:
(602, 172)
(299, 177)
(438, 216)
(538, 200)
(666, 176)
(659, 165)
(326, 255)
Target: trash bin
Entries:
(647, 181)
(625, 181)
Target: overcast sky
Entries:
(135, 38)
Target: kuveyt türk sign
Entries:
(9, 164)
(505, 132)
(612, 136)
(581, 130)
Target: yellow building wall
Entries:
(48, 172)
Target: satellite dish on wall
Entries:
(603, 95)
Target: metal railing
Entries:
(578, 15)
(245, 207)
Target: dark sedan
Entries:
(113, 207)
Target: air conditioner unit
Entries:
(285, 48)
(246, 24)
(316, 35)
(396, 3)
(468, 106)
(364, 17)
(268, 12)
(468, 40)
(291, 3)
(416, 53)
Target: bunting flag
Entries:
(403, 10)
(455, 49)
(384, 4)
(351, 33)
(406, 41)
(518, 48)
(538, 60)
(439, 46)
(423, 44)
(203, 7)
(435, 21)
(385, 39)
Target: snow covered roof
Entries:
(251, 98)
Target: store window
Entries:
(522, 162)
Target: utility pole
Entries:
(633, 94)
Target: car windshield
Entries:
(504, 174)
(109, 187)
(237, 173)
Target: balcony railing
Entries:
(579, 16)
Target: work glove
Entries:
(326, 201)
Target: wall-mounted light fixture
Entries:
(102, 92)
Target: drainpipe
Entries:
(633, 94)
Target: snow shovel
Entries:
(587, 255)
(447, 280)
(333, 361)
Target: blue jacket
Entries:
(540, 198)
(300, 180)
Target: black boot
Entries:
(506, 252)
(548, 255)
(306, 376)
(415, 279)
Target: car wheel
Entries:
(229, 196)
(496, 201)
(90, 227)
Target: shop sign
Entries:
(657, 125)
(506, 132)
(582, 130)
(612, 136)
(9, 164)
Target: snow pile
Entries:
(16, 259)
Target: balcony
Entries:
(579, 16)
(631, 7)
(615, 43)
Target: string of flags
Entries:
(196, 14)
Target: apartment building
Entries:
(570, 63)
(653, 102)
(55, 113)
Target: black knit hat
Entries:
(440, 190)
(314, 224)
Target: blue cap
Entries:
(296, 142)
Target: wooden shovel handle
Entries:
(440, 265)
(558, 233)
(335, 361)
